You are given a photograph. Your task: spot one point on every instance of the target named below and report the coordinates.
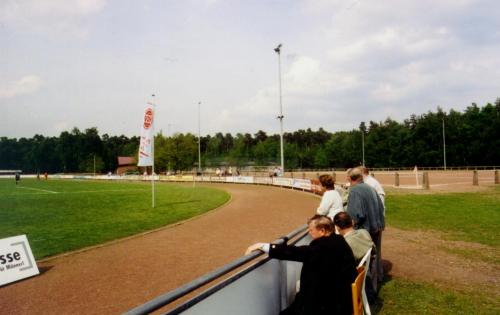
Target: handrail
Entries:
(175, 294)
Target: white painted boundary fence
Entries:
(297, 183)
(308, 181)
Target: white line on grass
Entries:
(96, 191)
(49, 191)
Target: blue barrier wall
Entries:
(264, 290)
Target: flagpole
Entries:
(153, 155)
(147, 144)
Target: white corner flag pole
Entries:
(416, 174)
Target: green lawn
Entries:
(472, 217)
(64, 215)
(399, 296)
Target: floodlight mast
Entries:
(199, 139)
(444, 146)
(280, 117)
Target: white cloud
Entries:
(344, 60)
(49, 16)
(26, 85)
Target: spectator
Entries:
(276, 171)
(359, 240)
(331, 202)
(367, 211)
(327, 272)
(371, 181)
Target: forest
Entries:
(472, 138)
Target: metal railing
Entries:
(169, 297)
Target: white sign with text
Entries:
(16, 259)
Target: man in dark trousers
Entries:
(367, 210)
(328, 270)
(18, 177)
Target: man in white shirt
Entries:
(372, 182)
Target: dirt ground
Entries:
(113, 278)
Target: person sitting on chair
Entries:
(359, 240)
(328, 270)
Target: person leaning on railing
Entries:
(331, 202)
(328, 270)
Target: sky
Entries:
(96, 63)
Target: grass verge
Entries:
(473, 217)
(61, 215)
(400, 296)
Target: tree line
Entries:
(472, 138)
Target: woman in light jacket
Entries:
(331, 202)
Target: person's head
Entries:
(327, 181)
(343, 222)
(355, 175)
(366, 171)
(319, 226)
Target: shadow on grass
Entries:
(377, 307)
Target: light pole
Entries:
(363, 145)
(362, 128)
(199, 140)
(280, 117)
(444, 147)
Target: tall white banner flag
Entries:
(146, 144)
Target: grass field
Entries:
(401, 296)
(472, 217)
(63, 215)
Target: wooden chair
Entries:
(365, 262)
(357, 292)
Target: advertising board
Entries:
(304, 184)
(263, 180)
(16, 259)
(243, 179)
(281, 181)
(217, 179)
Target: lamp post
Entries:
(280, 117)
(199, 140)
(362, 128)
(444, 147)
(363, 145)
